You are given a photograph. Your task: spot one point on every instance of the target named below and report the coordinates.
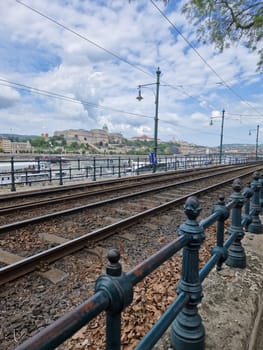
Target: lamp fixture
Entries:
(139, 97)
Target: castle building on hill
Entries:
(94, 136)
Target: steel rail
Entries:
(19, 224)
(137, 178)
(32, 263)
(30, 205)
(67, 187)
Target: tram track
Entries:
(33, 197)
(143, 211)
(31, 299)
(25, 212)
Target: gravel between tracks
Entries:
(228, 308)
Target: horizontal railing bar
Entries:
(63, 328)
(147, 266)
(230, 240)
(211, 219)
(204, 272)
(67, 325)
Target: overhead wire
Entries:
(244, 115)
(184, 92)
(8, 83)
(203, 131)
(203, 59)
(5, 82)
(83, 37)
(98, 46)
(55, 95)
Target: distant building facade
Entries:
(94, 137)
(21, 147)
(189, 148)
(5, 144)
(9, 146)
(142, 138)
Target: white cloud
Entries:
(200, 117)
(39, 53)
(8, 97)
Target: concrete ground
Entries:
(232, 306)
(233, 302)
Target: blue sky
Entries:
(85, 60)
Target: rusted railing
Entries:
(114, 290)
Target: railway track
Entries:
(67, 192)
(25, 206)
(69, 230)
(137, 225)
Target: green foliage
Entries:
(227, 22)
(57, 141)
(57, 144)
(74, 146)
(39, 142)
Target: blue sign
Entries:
(152, 158)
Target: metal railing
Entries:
(114, 290)
(58, 170)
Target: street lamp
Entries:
(221, 134)
(250, 133)
(139, 98)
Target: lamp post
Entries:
(221, 134)
(139, 98)
(250, 133)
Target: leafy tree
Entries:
(227, 22)
(58, 140)
(39, 142)
(74, 146)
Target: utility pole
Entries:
(221, 137)
(139, 98)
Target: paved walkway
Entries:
(233, 301)
(254, 245)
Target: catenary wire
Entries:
(5, 82)
(65, 98)
(83, 37)
(118, 57)
(72, 100)
(100, 47)
(201, 57)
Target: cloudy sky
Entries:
(70, 64)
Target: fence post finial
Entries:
(187, 329)
(113, 267)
